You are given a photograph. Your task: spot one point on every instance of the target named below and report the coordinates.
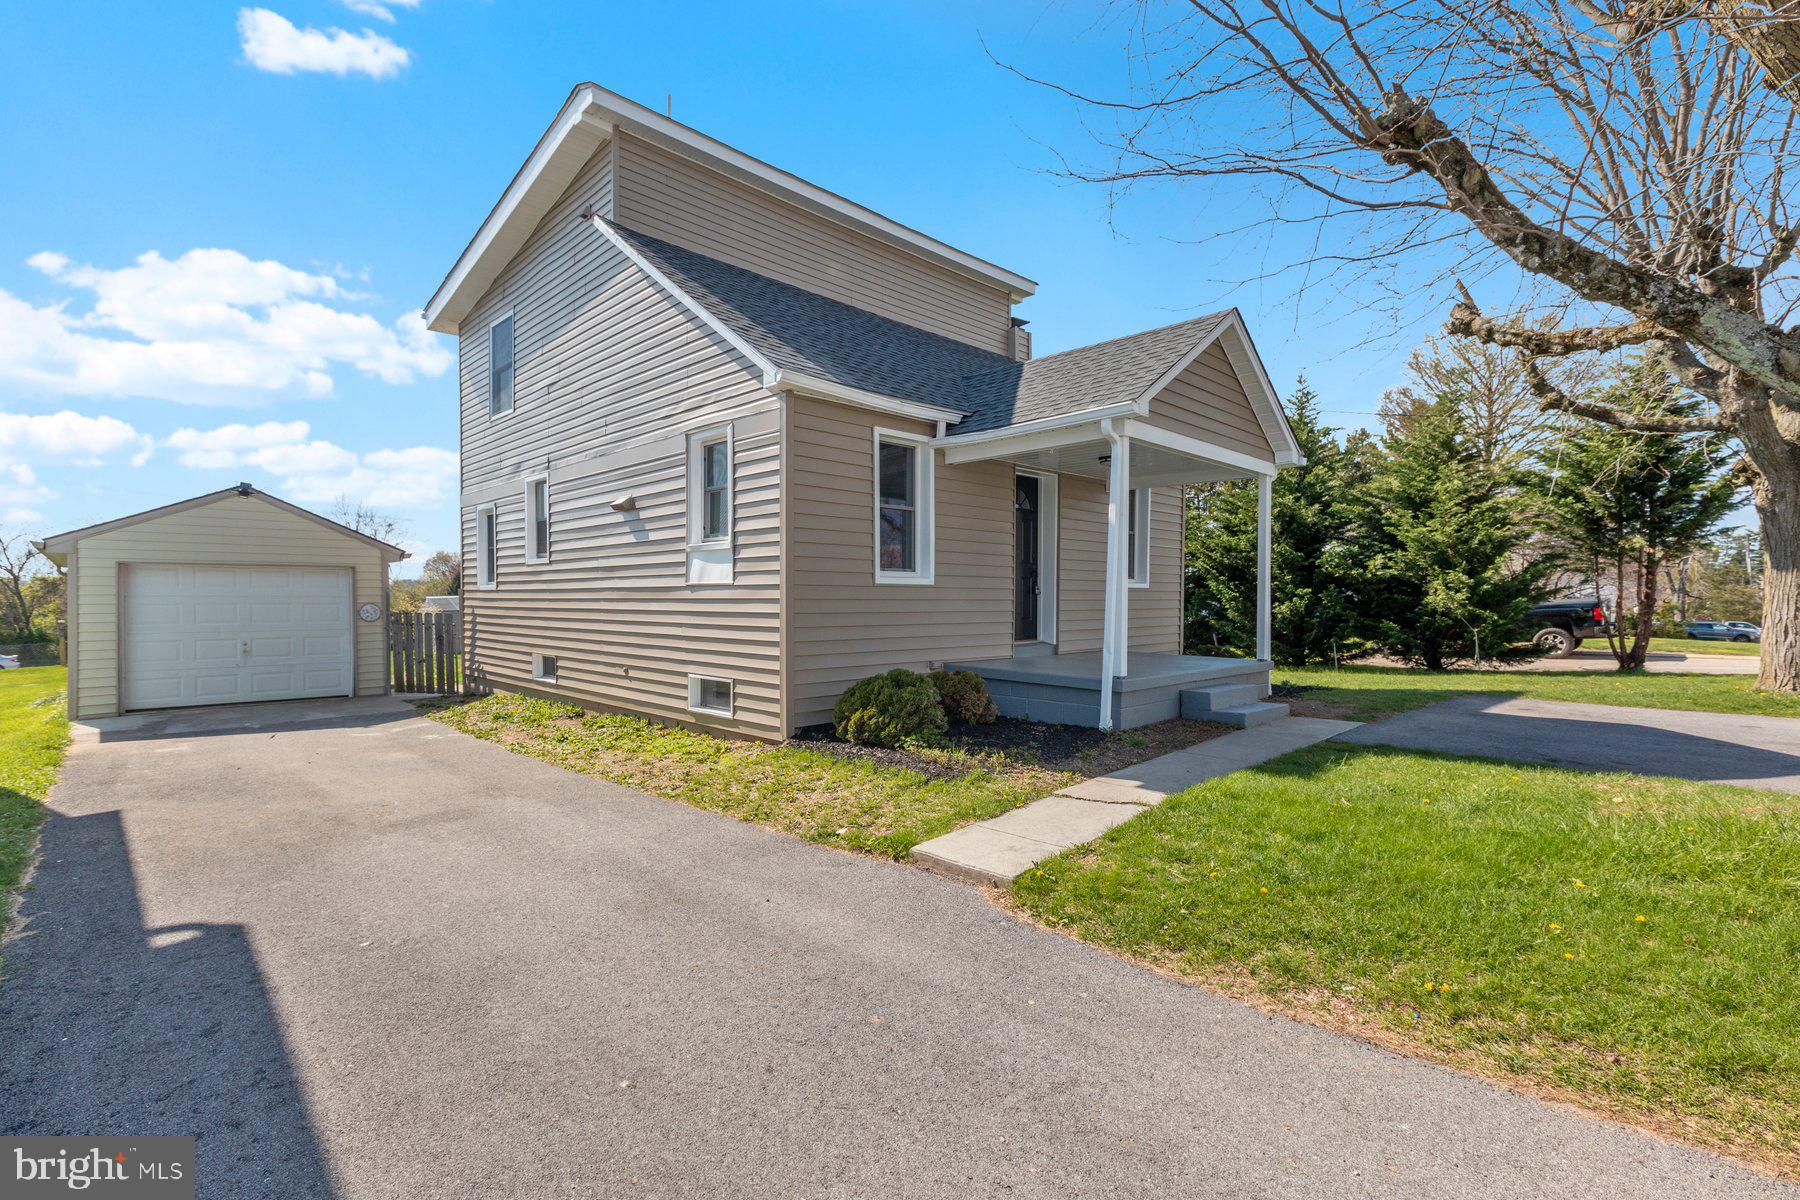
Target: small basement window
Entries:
(543, 667)
(709, 695)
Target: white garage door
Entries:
(222, 635)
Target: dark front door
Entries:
(1026, 516)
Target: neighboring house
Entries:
(228, 597)
(731, 442)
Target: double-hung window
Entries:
(500, 367)
(487, 547)
(537, 519)
(903, 508)
(1137, 537)
(709, 488)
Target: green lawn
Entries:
(1369, 693)
(872, 807)
(1690, 646)
(34, 732)
(1626, 943)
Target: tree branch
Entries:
(1554, 399)
(1467, 320)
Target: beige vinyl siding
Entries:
(611, 377)
(841, 624)
(1206, 401)
(674, 198)
(1154, 611)
(236, 530)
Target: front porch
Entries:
(1066, 688)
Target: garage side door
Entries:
(225, 634)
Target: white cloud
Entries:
(381, 10)
(273, 43)
(68, 437)
(314, 471)
(222, 447)
(212, 326)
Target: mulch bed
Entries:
(1077, 749)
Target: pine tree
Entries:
(1313, 613)
(1443, 541)
(1629, 503)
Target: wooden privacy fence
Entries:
(425, 652)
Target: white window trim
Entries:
(697, 442)
(483, 579)
(925, 504)
(694, 705)
(537, 667)
(531, 518)
(487, 393)
(1138, 573)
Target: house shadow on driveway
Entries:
(1749, 751)
(111, 1028)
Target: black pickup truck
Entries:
(1560, 625)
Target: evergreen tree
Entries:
(1627, 503)
(1442, 539)
(1313, 613)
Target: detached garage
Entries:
(228, 598)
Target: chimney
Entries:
(1018, 340)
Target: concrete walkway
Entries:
(1748, 751)
(998, 850)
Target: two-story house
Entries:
(731, 442)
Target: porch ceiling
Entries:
(1151, 466)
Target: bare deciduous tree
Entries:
(20, 563)
(1489, 386)
(381, 526)
(1630, 160)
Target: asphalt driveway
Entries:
(1749, 751)
(364, 956)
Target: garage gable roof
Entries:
(57, 546)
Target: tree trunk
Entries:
(1778, 504)
(1646, 613)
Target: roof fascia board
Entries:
(1235, 338)
(972, 447)
(812, 385)
(64, 543)
(573, 120)
(600, 113)
(1180, 443)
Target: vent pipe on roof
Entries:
(244, 489)
(1018, 340)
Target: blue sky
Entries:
(220, 221)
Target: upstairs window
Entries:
(487, 547)
(903, 508)
(1137, 537)
(711, 486)
(537, 520)
(500, 367)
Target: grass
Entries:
(1621, 942)
(34, 732)
(1370, 693)
(1670, 645)
(872, 807)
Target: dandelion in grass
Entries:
(1580, 884)
(1641, 918)
(1554, 927)
(1566, 954)
(1265, 891)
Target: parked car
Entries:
(1724, 631)
(9, 662)
(1562, 625)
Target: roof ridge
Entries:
(1129, 337)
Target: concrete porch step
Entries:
(1198, 702)
(1248, 716)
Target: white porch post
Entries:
(1112, 639)
(1265, 485)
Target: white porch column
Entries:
(1265, 485)
(1112, 639)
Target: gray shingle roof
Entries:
(801, 331)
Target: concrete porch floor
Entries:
(1065, 688)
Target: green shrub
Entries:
(890, 709)
(964, 696)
